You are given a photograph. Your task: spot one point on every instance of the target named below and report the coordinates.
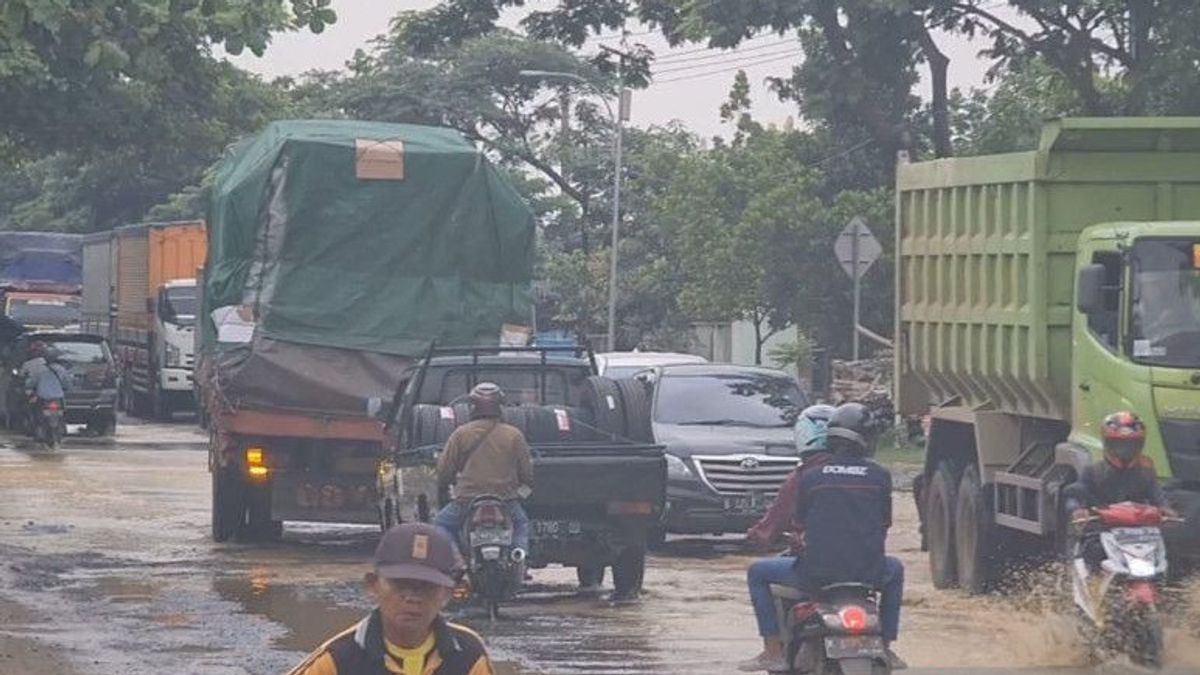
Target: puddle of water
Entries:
(310, 619)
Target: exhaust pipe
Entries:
(517, 555)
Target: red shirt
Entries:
(778, 518)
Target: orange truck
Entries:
(139, 291)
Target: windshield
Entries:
(622, 372)
(735, 399)
(81, 352)
(43, 312)
(1166, 302)
(182, 304)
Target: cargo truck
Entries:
(139, 291)
(1036, 293)
(40, 279)
(338, 252)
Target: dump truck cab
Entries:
(1137, 343)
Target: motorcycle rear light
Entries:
(53, 406)
(854, 619)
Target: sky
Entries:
(699, 80)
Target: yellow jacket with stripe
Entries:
(360, 650)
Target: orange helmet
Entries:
(1124, 436)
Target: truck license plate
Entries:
(869, 646)
(556, 528)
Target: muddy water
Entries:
(108, 548)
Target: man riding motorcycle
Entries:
(846, 511)
(486, 457)
(778, 524)
(44, 378)
(1124, 475)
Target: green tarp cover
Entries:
(326, 258)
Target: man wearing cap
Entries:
(486, 457)
(415, 565)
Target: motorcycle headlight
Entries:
(173, 355)
(677, 468)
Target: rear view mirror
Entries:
(1090, 289)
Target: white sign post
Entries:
(857, 249)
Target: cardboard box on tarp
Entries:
(338, 250)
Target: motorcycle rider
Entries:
(1125, 475)
(44, 377)
(486, 457)
(778, 524)
(846, 511)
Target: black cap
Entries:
(417, 551)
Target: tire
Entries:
(389, 518)
(259, 526)
(590, 576)
(636, 399)
(629, 571)
(228, 505)
(429, 428)
(939, 527)
(603, 399)
(160, 402)
(543, 425)
(974, 535)
(101, 425)
(517, 416)
(1147, 650)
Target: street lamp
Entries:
(617, 116)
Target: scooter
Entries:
(836, 633)
(45, 421)
(1117, 591)
(495, 565)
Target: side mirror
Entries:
(1090, 289)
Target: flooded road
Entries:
(106, 566)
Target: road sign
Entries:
(865, 253)
(856, 250)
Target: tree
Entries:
(78, 75)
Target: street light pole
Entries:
(617, 117)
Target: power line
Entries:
(714, 53)
(696, 50)
(729, 69)
(732, 60)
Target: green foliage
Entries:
(795, 355)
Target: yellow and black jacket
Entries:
(360, 650)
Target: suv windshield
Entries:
(1166, 302)
(43, 312)
(729, 399)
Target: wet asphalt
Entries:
(104, 550)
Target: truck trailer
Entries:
(139, 291)
(1037, 292)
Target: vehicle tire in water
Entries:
(602, 397)
(1148, 648)
(939, 526)
(228, 505)
(636, 398)
(974, 535)
(259, 527)
(590, 576)
(629, 570)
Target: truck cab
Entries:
(175, 321)
(43, 311)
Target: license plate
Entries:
(744, 504)
(870, 646)
(490, 537)
(555, 528)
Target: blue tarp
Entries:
(37, 258)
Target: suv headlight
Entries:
(677, 468)
(173, 354)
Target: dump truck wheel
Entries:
(228, 504)
(628, 572)
(974, 535)
(939, 526)
(259, 527)
(602, 397)
(590, 576)
(636, 399)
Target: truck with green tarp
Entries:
(338, 251)
(1036, 292)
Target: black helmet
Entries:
(850, 429)
(486, 399)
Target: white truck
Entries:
(139, 291)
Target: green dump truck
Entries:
(1037, 292)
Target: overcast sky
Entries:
(701, 79)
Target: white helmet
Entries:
(810, 428)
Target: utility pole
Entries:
(618, 132)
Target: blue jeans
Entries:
(454, 514)
(782, 570)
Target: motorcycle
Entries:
(45, 421)
(495, 566)
(836, 633)
(1117, 564)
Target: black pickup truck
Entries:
(599, 485)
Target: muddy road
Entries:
(106, 567)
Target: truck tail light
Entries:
(256, 464)
(630, 509)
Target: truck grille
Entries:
(743, 474)
(1182, 438)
